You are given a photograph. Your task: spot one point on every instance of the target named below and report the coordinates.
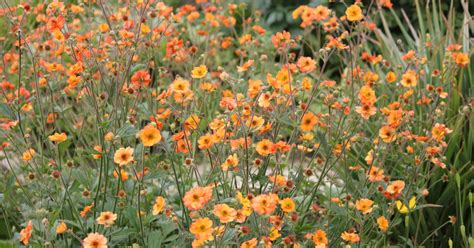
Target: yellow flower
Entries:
(58, 137)
(354, 13)
(199, 72)
(123, 156)
(274, 234)
(402, 208)
(159, 205)
(149, 135)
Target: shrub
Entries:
(140, 124)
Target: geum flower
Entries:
(197, 197)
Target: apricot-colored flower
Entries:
(231, 161)
(159, 205)
(391, 77)
(396, 187)
(28, 154)
(25, 233)
(95, 240)
(366, 111)
(388, 134)
(461, 59)
(199, 72)
(141, 78)
(367, 95)
(251, 243)
(58, 137)
(106, 218)
(383, 223)
(206, 141)
(375, 174)
(319, 238)
(180, 85)
(202, 228)
(86, 210)
(61, 228)
(364, 205)
(350, 237)
(308, 121)
(123, 156)
(192, 122)
(225, 213)
(149, 135)
(264, 204)
(409, 79)
(265, 147)
(439, 131)
(354, 13)
(197, 197)
(287, 205)
(306, 64)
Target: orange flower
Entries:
(86, 210)
(306, 64)
(281, 39)
(123, 156)
(106, 218)
(391, 77)
(265, 204)
(25, 233)
(409, 79)
(287, 205)
(375, 174)
(159, 205)
(308, 121)
(439, 131)
(252, 243)
(141, 78)
(199, 72)
(192, 122)
(351, 237)
(180, 85)
(364, 205)
(58, 138)
(231, 161)
(383, 223)
(197, 197)
(28, 154)
(366, 111)
(395, 188)
(461, 59)
(367, 95)
(225, 213)
(149, 135)
(202, 228)
(319, 238)
(206, 141)
(354, 13)
(388, 134)
(265, 147)
(95, 240)
(61, 228)
(123, 175)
